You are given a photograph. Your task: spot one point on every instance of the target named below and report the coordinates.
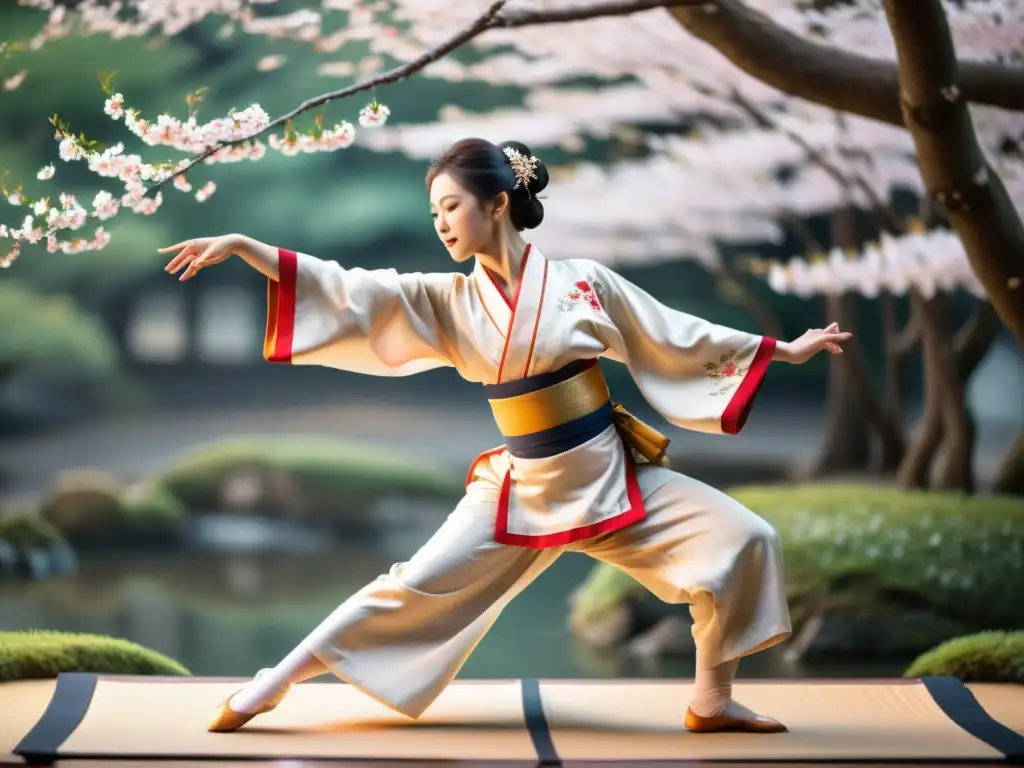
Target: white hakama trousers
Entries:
(404, 637)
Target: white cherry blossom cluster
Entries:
(184, 135)
(929, 262)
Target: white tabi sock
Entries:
(712, 693)
(270, 685)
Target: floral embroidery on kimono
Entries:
(726, 372)
(587, 292)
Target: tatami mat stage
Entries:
(90, 717)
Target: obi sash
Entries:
(550, 413)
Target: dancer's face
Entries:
(464, 223)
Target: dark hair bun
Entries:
(525, 209)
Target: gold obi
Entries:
(567, 410)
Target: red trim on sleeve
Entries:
(738, 410)
(280, 333)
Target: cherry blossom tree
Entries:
(852, 57)
(719, 186)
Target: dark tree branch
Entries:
(952, 163)
(844, 181)
(516, 18)
(492, 18)
(974, 339)
(824, 74)
(799, 228)
(902, 343)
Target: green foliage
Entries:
(946, 552)
(26, 530)
(48, 334)
(986, 657)
(852, 546)
(36, 654)
(329, 479)
(91, 509)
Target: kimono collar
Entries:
(500, 307)
(517, 318)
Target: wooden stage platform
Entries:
(85, 719)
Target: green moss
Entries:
(987, 657)
(26, 530)
(879, 548)
(323, 478)
(35, 654)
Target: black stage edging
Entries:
(958, 703)
(537, 723)
(65, 712)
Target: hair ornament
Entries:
(522, 166)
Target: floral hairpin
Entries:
(522, 166)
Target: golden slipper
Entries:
(226, 719)
(724, 722)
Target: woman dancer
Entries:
(576, 471)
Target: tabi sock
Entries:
(272, 684)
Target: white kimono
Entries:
(403, 637)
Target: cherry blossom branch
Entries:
(492, 18)
(392, 76)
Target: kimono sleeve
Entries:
(696, 374)
(376, 322)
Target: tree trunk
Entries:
(952, 164)
(847, 446)
(1010, 478)
(945, 403)
(914, 470)
(971, 345)
(898, 345)
(854, 416)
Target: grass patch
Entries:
(987, 657)
(323, 480)
(864, 547)
(36, 654)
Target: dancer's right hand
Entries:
(200, 252)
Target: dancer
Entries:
(576, 472)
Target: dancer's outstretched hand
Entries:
(198, 253)
(814, 341)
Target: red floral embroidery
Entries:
(725, 372)
(587, 292)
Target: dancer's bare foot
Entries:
(733, 717)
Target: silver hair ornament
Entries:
(522, 166)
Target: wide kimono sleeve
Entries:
(696, 374)
(378, 322)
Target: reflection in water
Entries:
(229, 614)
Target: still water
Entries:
(229, 613)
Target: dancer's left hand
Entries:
(811, 343)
